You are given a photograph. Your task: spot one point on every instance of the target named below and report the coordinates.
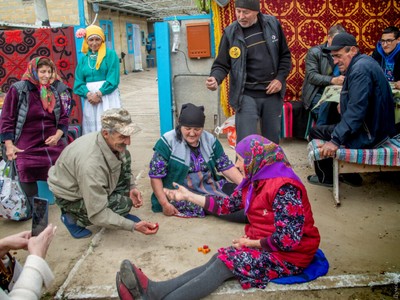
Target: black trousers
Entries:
(324, 167)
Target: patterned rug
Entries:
(306, 23)
(18, 47)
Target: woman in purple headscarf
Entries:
(280, 238)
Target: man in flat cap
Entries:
(366, 108)
(253, 50)
(92, 179)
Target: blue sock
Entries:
(75, 230)
(133, 218)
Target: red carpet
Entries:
(18, 47)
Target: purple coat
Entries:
(34, 163)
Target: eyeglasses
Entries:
(386, 41)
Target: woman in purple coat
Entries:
(33, 120)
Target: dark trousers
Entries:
(326, 113)
(324, 167)
(267, 110)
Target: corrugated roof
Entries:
(26, 25)
(151, 9)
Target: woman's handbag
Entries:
(10, 269)
(14, 204)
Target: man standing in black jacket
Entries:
(254, 52)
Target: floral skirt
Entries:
(255, 267)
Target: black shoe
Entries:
(122, 290)
(313, 179)
(128, 278)
(352, 179)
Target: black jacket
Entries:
(236, 66)
(318, 68)
(366, 106)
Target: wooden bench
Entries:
(382, 159)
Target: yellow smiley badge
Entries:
(234, 52)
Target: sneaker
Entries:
(128, 278)
(75, 230)
(122, 290)
(313, 179)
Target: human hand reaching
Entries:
(146, 227)
(136, 197)
(169, 209)
(38, 245)
(179, 194)
(14, 242)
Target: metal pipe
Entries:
(81, 9)
(42, 16)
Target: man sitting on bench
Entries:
(366, 107)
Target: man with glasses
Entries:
(387, 54)
(366, 108)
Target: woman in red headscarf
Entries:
(33, 120)
(280, 237)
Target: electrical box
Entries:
(198, 39)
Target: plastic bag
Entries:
(14, 204)
(228, 128)
(10, 269)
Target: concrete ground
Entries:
(361, 239)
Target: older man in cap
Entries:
(253, 50)
(366, 108)
(92, 179)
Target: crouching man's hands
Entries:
(146, 227)
(136, 197)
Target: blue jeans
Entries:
(324, 114)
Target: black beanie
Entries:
(192, 115)
(249, 4)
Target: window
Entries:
(108, 29)
(143, 38)
(129, 38)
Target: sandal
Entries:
(313, 179)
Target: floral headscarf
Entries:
(263, 159)
(46, 93)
